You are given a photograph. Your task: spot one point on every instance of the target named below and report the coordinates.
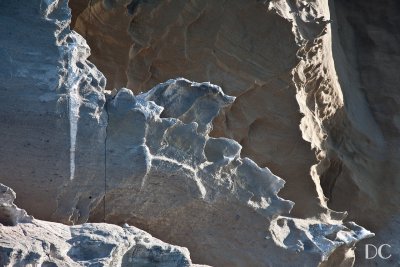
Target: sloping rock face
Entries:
(166, 175)
(113, 36)
(75, 154)
(224, 43)
(25, 241)
(365, 48)
(348, 94)
(334, 61)
(51, 118)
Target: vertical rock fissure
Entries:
(105, 161)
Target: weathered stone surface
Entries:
(366, 42)
(326, 240)
(224, 43)
(149, 159)
(10, 214)
(166, 175)
(336, 61)
(25, 241)
(51, 118)
(161, 169)
(114, 21)
(348, 92)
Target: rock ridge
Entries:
(146, 160)
(31, 242)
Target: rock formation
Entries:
(52, 119)
(166, 160)
(333, 60)
(25, 241)
(29, 242)
(199, 40)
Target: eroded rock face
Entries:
(326, 240)
(340, 56)
(114, 20)
(31, 242)
(10, 214)
(149, 157)
(168, 176)
(332, 60)
(348, 95)
(51, 118)
(179, 179)
(224, 43)
(365, 42)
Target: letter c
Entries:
(380, 251)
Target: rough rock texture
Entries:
(221, 42)
(328, 240)
(25, 241)
(366, 35)
(348, 94)
(337, 59)
(51, 118)
(10, 213)
(113, 37)
(148, 159)
(166, 175)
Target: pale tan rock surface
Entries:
(240, 45)
(112, 42)
(366, 52)
(279, 59)
(348, 94)
(334, 61)
(146, 159)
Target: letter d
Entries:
(367, 251)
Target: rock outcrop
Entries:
(368, 56)
(52, 118)
(25, 241)
(332, 60)
(77, 154)
(348, 96)
(113, 36)
(222, 43)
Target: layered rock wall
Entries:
(163, 160)
(51, 120)
(221, 42)
(331, 60)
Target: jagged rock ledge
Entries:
(26, 241)
(149, 157)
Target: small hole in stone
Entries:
(94, 83)
(281, 222)
(69, 40)
(80, 65)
